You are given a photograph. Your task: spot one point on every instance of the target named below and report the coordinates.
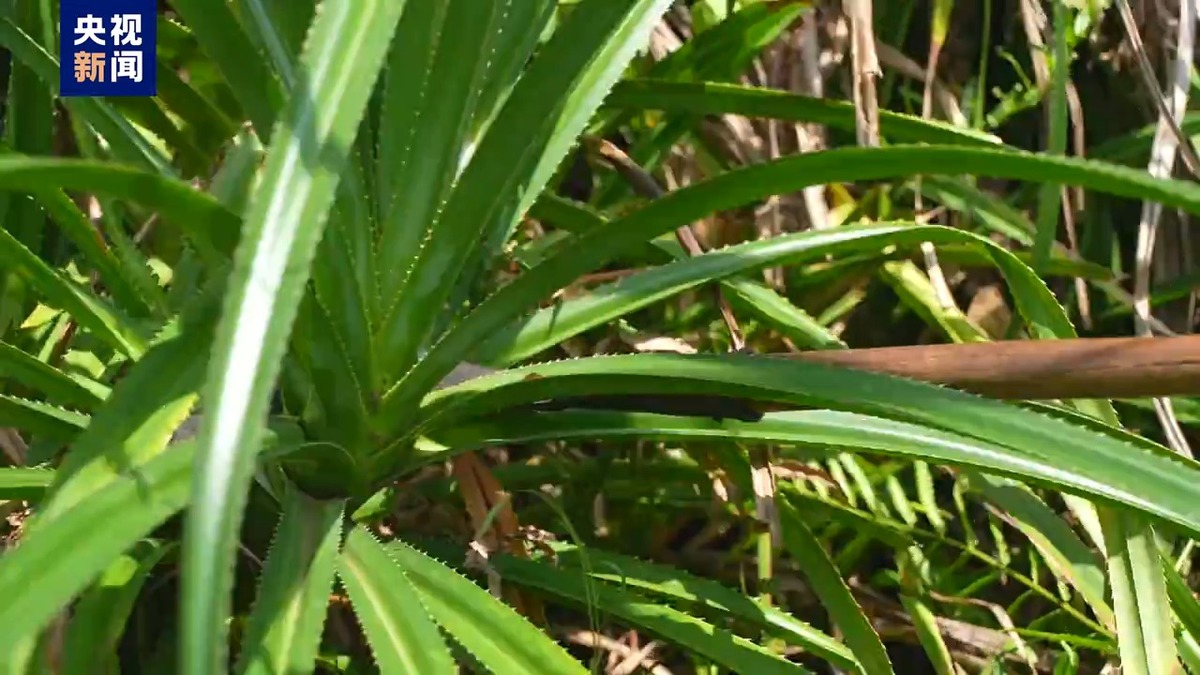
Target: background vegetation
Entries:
(225, 313)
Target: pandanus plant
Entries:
(328, 277)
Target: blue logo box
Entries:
(107, 48)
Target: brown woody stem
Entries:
(1040, 369)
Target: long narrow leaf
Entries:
(24, 483)
(88, 310)
(496, 635)
(223, 40)
(436, 70)
(720, 98)
(116, 517)
(1062, 549)
(284, 629)
(43, 421)
(54, 384)
(828, 584)
(1141, 603)
(402, 636)
(98, 619)
(283, 226)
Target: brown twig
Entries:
(13, 446)
(483, 498)
(1187, 152)
(865, 67)
(642, 657)
(1040, 369)
(1126, 367)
